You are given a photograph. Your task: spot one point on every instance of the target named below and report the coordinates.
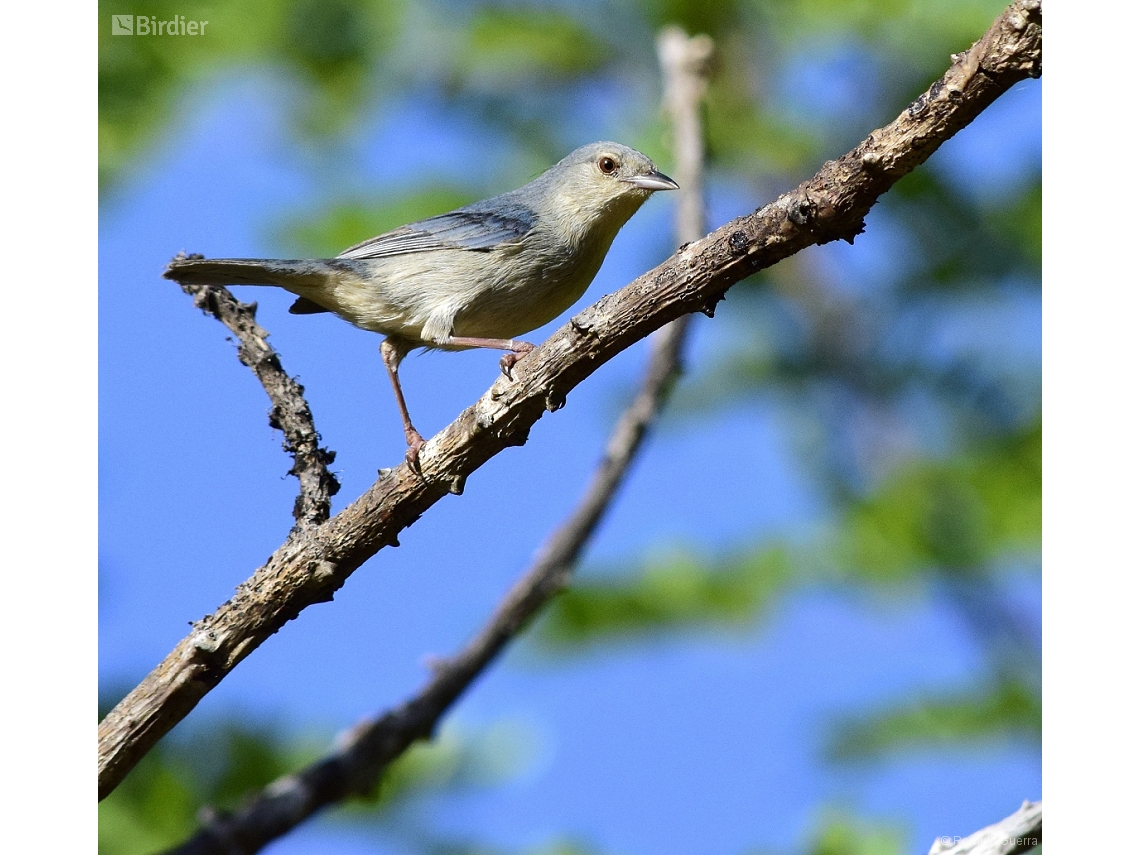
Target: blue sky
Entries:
(705, 742)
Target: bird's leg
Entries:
(391, 354)
(516, 350)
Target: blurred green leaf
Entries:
(332, 46)
(1018, 223)
(922, 33)
(671, 594)
(156, 806)
(964, 243)
(247, 759)
(329, 38)
(838, 832)
(956, 516)
(512, 46)
(746, 136)
(696, 16)
(151, 810)
(1001, 712)
(140, 76)
(842, 834)
(813, 343)
(339, 45)
(960, 513)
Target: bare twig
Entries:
(1020, 832)
(290, 413)
(829, 206)
(371, 746)
(686, 65)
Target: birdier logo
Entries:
(142, 25)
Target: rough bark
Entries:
(290, 412)
(308, 568)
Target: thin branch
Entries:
(290, 414)
(1020, 832)
(829, 206)
(686, 65)
(366, 752)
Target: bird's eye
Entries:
(607, 164)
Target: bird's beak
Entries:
(653, 181)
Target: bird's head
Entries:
(609, 170)
(600, 185)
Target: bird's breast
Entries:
(530, 288)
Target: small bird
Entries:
(474, 277)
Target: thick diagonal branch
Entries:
(829, 206)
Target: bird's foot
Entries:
(412, 455)
(518, 350)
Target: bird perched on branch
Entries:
(475, 277)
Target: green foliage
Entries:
(696, 16)
(151, 810)
(670, 594)
(966, 243)
(328, 47)
(838, 832)
(890, 27)
(334, 52)
(139, 78)
(841, 834)
(512, 46)
(157, 805)
(1004, 711)
(822, 342)
(958, 514)
(1017, 221)
(330, 39)
(754, 140)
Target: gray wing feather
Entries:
(467, 228)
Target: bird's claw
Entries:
(412, 455)
(508, 360)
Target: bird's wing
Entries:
(466, 228)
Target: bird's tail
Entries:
(285, 273)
